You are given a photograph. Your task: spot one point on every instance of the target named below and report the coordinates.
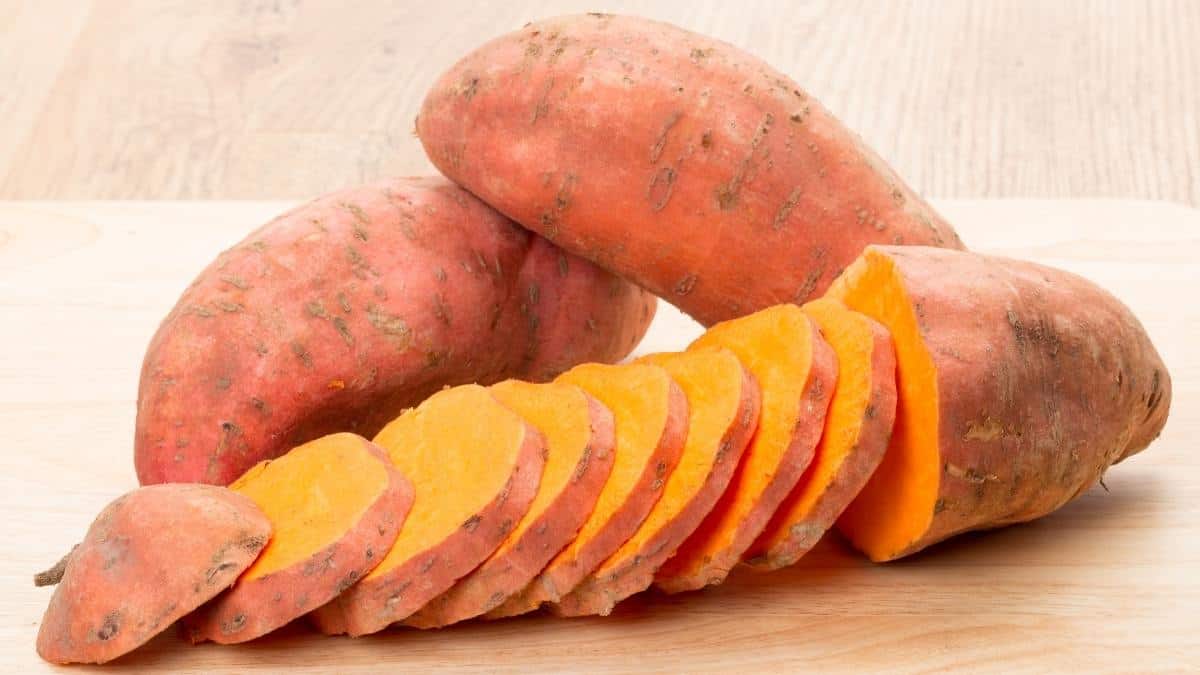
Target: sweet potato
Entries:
(581, 438)
(651, 414)
(150, 557)
(336, 505)
(796, 371)
(342, 312)
(1019, 385)
(475, 467)
(723, 407)
(857, 429)
(722, 168)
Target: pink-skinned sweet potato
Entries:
(341, 313)
(336, 504)
(676, 160)
(150, 557)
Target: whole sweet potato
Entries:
(676, 160)
(342, 312)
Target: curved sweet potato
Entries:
(796, 370)
(336, 504)
(581, 438)
(1019, 385)
(723, 407)
(475, 467)
(650, 412)
(150, 557)
(857, 429)
(344, 311)
(723, 166)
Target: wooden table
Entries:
(237, 99)
(1109, 583)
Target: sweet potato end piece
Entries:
(896, 506)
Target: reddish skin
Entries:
(822, 376)
(414, 284)
(149, 558)
(562, 576)
(852, 474)
(1046, 380)
(373, 604)
(256, 607)
(599, 594)
(499, 578)
(719, 160)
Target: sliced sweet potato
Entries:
(336, 505)
(475, 467)
(796, 371)
(723, 408)
(651, 413)
(581, 437)
(150, 557)
(857, 429)
(1019, 385)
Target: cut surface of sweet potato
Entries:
(650, 413)
(723, 407)
(796, 370)
(580, 438)
(475, 467)
(336, 504)
(1018, 386)
(857, 429)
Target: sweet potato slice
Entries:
(651, 413)
(150, 557)
(857, 429)
(581, 438)
(723, 408)
(475, 467)
(796, 370)
(1019, 385)
(336, 504)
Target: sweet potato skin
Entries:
(600, 593)
(497, 579)
(150, 557)
(1046, 380)
(253, 608)
(822, 376)
(342, 312)
(853, 472)
(718, 152)
(560, 577)
(370, 605)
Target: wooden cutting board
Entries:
(1109, 583)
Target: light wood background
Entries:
(231, 99)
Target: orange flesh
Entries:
(775, 345)
(458, 449)
(560, 412)
(711, 381)
(896, 506)
(853, 342)
(638, 396)
(312, 495)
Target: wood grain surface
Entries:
(1108, 584)
(236, 99)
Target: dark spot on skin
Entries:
(223, 383)
(939, 506)
(201, 311)
(277, 598)
(343, 302)
(391, 325)
(302, 601)
(686, 284)
(339, 324)
(706, 140)
(315, 308)
(660, 188)
(111, 626)
(235, 281)
(228, 307)
(260, 405)
(302, 354)
(870, 413)
(581, 468)
(217, 570)
(785, 209)
(661, 142)
(347, 581)
(505, 527)
(233, 625)
(472, 523)
(428, 564)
